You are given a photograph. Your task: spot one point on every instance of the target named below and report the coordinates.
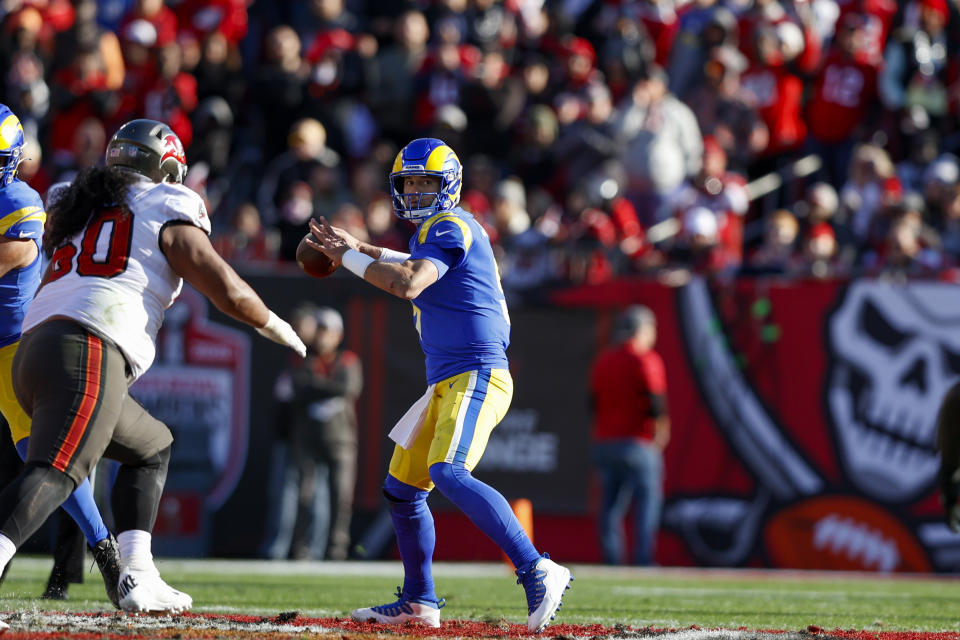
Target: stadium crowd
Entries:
(794, 137)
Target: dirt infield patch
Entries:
(37, 625)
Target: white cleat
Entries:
(544, 584)
(145, 592)
(3, 626)
(404, 610)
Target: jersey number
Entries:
(104, 248)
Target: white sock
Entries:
(7, 549)
(135, 549)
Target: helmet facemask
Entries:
(426, 157)
(9, 161)
(418, 205)
(11, 145)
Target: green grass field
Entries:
(661, 598)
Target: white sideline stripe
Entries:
(393, 568)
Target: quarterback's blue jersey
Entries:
(461, 318)
(21, 216)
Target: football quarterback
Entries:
(460, 313)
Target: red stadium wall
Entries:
(803, 421)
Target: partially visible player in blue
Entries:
(459, 310)
(22, 216)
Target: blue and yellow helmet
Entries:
(426, 156)
(11, 145)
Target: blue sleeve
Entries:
(22, 214)
(443, 243)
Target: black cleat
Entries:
(107, 555)
(56, 586)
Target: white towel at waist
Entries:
(407, 428)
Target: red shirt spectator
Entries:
(877, 17)
(661, 23)
(776, 94)
(628, 385)
(158, 15)
(844, 88)
(202, 17)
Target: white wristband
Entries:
(356, 261)
(389, 255)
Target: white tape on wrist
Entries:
(271, 325)
(356, 261)
(389, 255)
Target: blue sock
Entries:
(80, 505)
(487, 509)
(416, 537)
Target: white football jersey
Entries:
(113, 277)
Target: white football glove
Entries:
(281, 332)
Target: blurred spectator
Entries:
(535, 159)
(659, 19)
(777, 255)
(697, 247)
(923, 150)
(903, 254)
(212, 123)
(85, 34)
(278, 92)
(284, 483)
(863, 193)
(915, 68)
(950, 227)
(704, 27)
(32, 170)
(155, 13)
(392, 97)
(218, 71)
(590, 141)
(490, 104)
(939, 185)
(87, 148)
(510, 217)
(201, 19)
(604, 191)
(625, 55)
(382, 225)
(350, 217)
(138, 39)
(27, 90)
(306, 150)
(722, 192)
(173, 96)
(819, 252)
(443, 75)
(324, 437)
(79, 92)
(822, 206)
(843, 99)
(663, 145)
(246, 239)
(630, 430)
(722, 110)
(490, 25)
(773, 88)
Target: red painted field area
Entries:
(69, 626)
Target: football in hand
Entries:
(313, 262)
